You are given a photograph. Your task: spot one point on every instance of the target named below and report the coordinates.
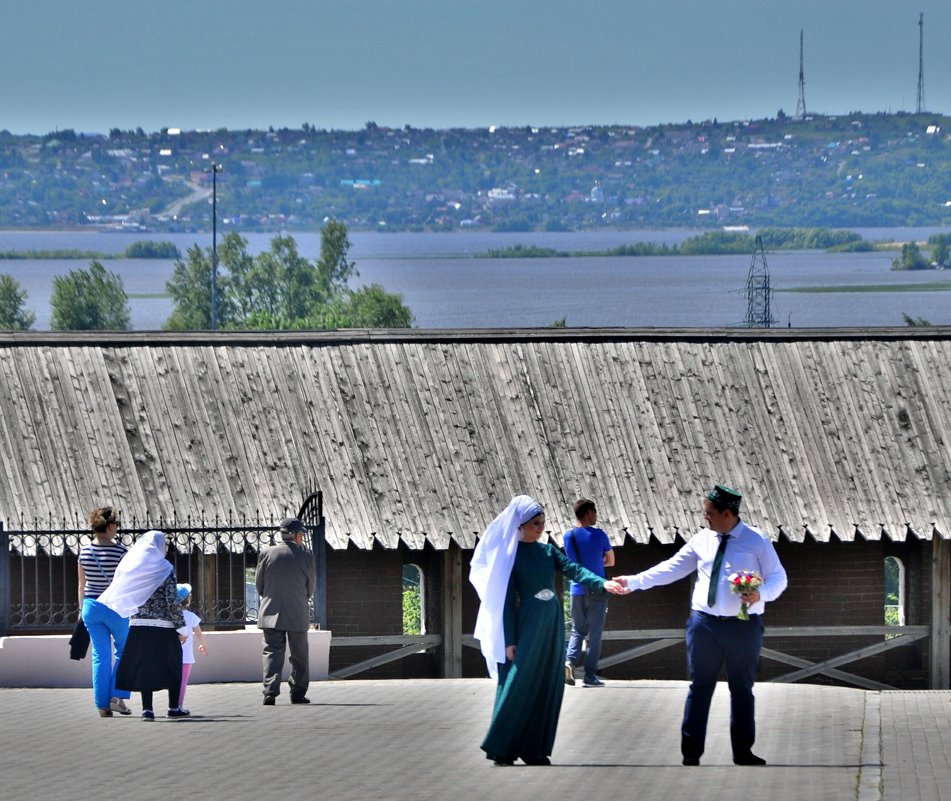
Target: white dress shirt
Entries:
(747, 550)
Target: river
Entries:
(447, 286)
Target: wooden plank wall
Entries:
(422, 438)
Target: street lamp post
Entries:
(214, 169)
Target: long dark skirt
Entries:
(152, 660)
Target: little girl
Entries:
(191, 630)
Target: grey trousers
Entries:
(276, 641)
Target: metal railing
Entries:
(39, 576)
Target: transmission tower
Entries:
(758, 292)
(801, 102)
(920, 105)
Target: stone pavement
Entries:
(419, 740)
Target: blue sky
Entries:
(340, 63)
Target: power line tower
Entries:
(801, 102)
(758, 292)
(920, 105)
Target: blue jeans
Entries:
(712, 644)
(588, 613)
(105, 627)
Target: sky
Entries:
(338, 64)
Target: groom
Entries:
(716, 637)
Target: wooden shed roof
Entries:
(422, 436)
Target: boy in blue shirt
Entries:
(589, 546)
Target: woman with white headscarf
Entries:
(144, 587)
(521, 630)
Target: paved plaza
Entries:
(419, 741)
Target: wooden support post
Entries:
(452, 612)
(940, 666)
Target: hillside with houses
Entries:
(838, 171)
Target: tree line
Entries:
(277, 289)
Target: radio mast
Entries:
(920, 105)
(801, 102)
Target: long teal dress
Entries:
(528, 698)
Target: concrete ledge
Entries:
(233, 656)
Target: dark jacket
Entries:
(285, 581)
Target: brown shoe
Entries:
(105, 713)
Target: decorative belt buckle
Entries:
(544, 595)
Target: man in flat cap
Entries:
(285, 580)
(717, 636)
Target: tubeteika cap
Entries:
(725, 497)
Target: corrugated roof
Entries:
(422, 436)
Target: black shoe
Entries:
(691, 761)
(301, 700)
(748, 759)
(539, 761)
(177, 713)
(500, 762)
(269, 700)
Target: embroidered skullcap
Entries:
(725, 498)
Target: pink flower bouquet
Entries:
(742, 582)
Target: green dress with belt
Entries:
(530, 689)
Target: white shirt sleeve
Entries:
(679, 566)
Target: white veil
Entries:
(138, 575)
(489, 573)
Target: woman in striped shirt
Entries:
(97, 565)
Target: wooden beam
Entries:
(940, 662)
(852, 656)
(452, 612)
(641, 650)
(419, 644)
(841, 675)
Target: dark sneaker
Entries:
(269, 700)
(177, 713)
(594, 681)
(148, 714)
(301, 700)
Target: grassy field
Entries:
(933, 286)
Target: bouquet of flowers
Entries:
(742, 582)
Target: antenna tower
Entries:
(758, 292)
(801, 102)
(920, 105)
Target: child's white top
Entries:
(188, 647)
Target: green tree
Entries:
(190, 285)
(369, 307)
(911, 258)
(280, 289)
(941, 254)
(278, 285)
(190, 290)
(89, 300)
(13, 315)
(334, 269)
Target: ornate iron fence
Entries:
(39, 589)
